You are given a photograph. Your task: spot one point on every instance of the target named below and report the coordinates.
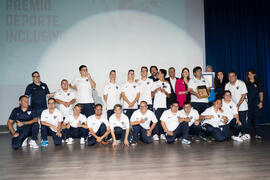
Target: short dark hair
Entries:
(186, 103)
(217, 99)
(175, 102)
(131, 70)
(163, 71)
(82, 66)
(144, 67)
(116, 106)
(232, 72)
(171, 68)
(143, 102)
(154, 67)
(51, 99)
(35, 72)
(78, 105)
(112, 71)
(23, 96)
(64, 80)
(227, 91)
(196, 69)
(98, 105)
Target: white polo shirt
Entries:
(95, 123)
(53, 118)
(160, 99)
(217, 120)
(149, 117)
(66, 97)
(237, 90)
(193, 115)
(122, 123)
(193, 84)
(229, 109)
(113, 92)
(84, 90)
(170, 119)
(73, 122)
(145, 90)
(131, 90)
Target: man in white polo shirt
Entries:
(238, 91)
(146, 85)
(131, 94)
(98, 127)
(112, 94)
(161, 91)
(140, 122)
(75, 126)
(51, 121)
(84, 85)
(65, 99)
(200, 104)
(173, 125)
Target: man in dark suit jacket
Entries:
(171, 80)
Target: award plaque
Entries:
(203, 91)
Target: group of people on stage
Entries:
(145, 109)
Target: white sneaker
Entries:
(237, 138)
(82, 141)
(33, 144)
(24, 144)
(162, 136)
(245, 137)
(69, 141)
(155, 137)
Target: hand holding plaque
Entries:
(202, 91)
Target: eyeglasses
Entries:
(35, 76)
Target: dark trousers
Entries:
(129, 112)
(88, 109)
(158, 128)
(195, 130)
(24, 132)
(120, 134)
(101, 131)
(46, 131)
(199, 106)
(236, 129)
(181, 130)
(75, 132)
(140, 131)
(109, 113)
(243, 117)
(254, 114)
(218, 133)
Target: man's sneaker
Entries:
(33, 144)
(69, 141)
(162, 136)
(24, 144)
(258, 137)
(185, 141)
(237, 138)
(44, 143)
(196, 138)
(82, 141)
(133, 143)
(245, 137)
(155, 137)
(206, 139)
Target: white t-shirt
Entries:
(84, 90)
(95, 123)
(229, 109)
(53, 118)
(170, 119)
(73, 122)
(145, 90)
(131, 90)
(122, 123)
(173, 81)
(217, 120)
(113, 92)
(193, 84)
(237, 90)
(149, 117)
(66, 97)
(193, 115)
(160, 99)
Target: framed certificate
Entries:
(203, 91)
(209, 76)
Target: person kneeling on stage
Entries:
(140, 122)
(173, 125)
(119, 125)
(215, 122)
(230, 109)
(51, 120)
(75, 126)
(191, 116)
(27, 124)
(98, 127)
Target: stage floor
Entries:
(227, 160)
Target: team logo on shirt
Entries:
(43, 87)
(134, 86)
(146, 118)
(191, 117)
(87, 80)
(203, 80)
(68, 94)
(237, 87)
(28, 112)
(148, 83)
(116, 87)
(230, 107)
(218, 115)
(54, 117)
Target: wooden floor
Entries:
(227, 160)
